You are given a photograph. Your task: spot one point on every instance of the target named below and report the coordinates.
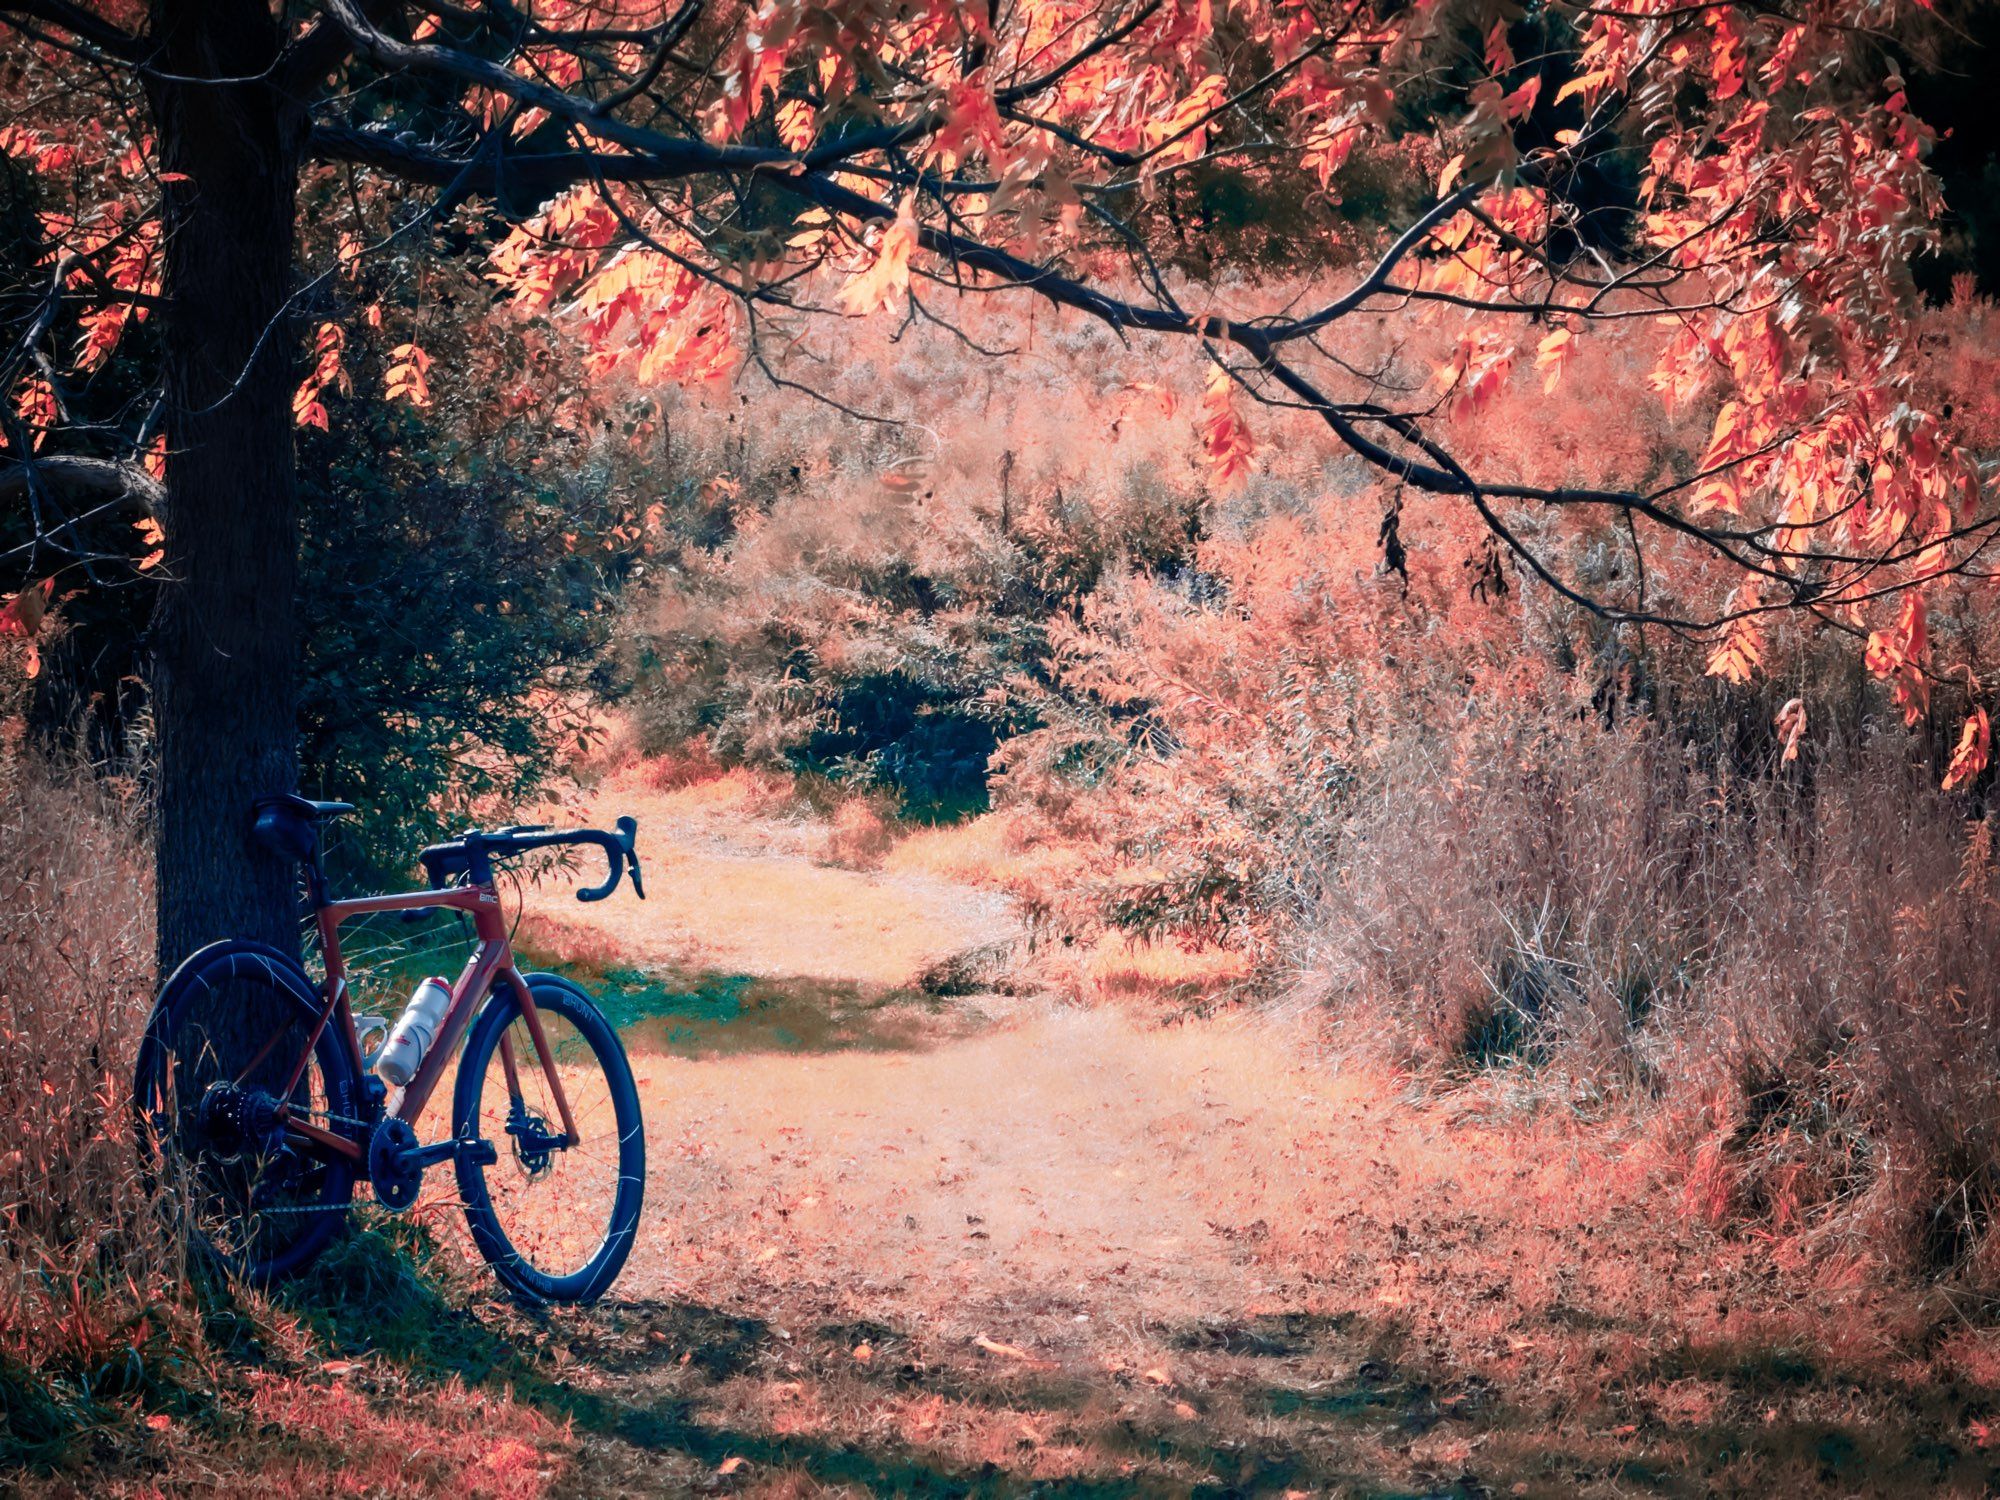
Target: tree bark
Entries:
(223, 637)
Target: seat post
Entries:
(316, 877)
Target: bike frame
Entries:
(492, 960)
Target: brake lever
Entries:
(628, 835)
(619, 850)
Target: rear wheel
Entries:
(555, 1218)
(222, 1040)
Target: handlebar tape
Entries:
(620, 849)
(444, 862)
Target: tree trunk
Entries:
(224, 652)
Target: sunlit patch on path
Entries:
(733, 889)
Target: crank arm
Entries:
(474, 1152)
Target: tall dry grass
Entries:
(1490, 840)
(1796, 966)
(1485, 830)
(87, 1262)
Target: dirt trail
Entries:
(738, 882)
(1062, 1250)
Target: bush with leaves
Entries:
(455, 617)
(455, 611)
(858, 598)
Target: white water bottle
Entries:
(414, 1031)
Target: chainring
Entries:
(390, 1149)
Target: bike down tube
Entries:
(471, 987)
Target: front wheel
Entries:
(554, 1217)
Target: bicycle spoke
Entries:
(252, 1199)
(553, 1203)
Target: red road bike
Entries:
(252, 1080)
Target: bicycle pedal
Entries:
(477, 1153)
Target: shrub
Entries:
(1798, 966)
(455, 618)
(454, 613)
(854, 598)
(88, 1316)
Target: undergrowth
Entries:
(92, 1323)
(1408, 787)
(119, 1347)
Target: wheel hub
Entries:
(235, 1120)
(535, 1144)
(392, 1166)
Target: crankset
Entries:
(396, 1163)
(395, 1167)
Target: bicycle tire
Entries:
(179, 1056)
(516, 1263)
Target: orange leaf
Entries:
(1013, 1352)
(889, 275)
(405, 378)
(1522, 100)
(1584, 83)
(797, 124)
(1899, 655)
(151, 533)
(23, 614)
(1974, 747)
(1791, 725)
(1553, 354)
(971, 121)
(1225, 436)
(36, 407)
(1741, 650)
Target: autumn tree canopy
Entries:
(702, 191)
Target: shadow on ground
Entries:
(678, 1397)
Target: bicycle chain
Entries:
(323, 1208)
(320, 1208)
